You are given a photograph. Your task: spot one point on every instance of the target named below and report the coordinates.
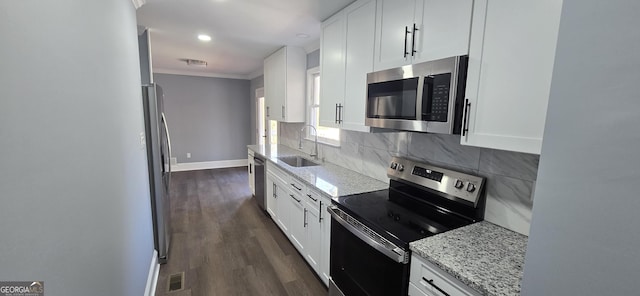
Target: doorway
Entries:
(261, 132)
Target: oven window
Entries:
(360, 270)
(393, 99)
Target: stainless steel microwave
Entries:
(425, 97)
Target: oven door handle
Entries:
(392, 251)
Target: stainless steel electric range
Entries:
(371, 232)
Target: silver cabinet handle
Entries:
(267, 111)
(282, 112)
(336, 117)
(311, 197)
(296, 187)
(430, 282)
(298, 200)
(274, 191)
(305, 218)
(320, 213)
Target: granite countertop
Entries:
(331, 179)
(486, 257)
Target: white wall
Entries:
(584, 233)
(74, 193)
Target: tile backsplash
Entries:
(511, 176)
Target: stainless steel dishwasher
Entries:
(259, 179)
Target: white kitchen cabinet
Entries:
(346, 56)
(414, 31)
(284, 84)
(325, 240)
(251, 170)
(313, 231)
(297, 220)
(426, 279)
(511, 57)
(306, 222)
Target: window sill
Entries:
(324, 141)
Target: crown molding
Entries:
(200, 74)
(255, 74)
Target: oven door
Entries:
(363, 264)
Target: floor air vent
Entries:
(176, 282)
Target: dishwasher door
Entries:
(259, 179)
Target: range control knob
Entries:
(459, 184)
(471, 187)
(400, 168)
(393, 165)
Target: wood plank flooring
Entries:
(226, 244)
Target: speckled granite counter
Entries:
(329, 178)
(486, 257)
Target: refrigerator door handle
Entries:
(166, 130)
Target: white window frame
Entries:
(311, 107)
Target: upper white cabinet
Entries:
(346, 56)
(284, 84)
(414, 31)
(511, 56)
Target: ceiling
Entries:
(243, 32)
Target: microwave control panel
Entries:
(435, 104)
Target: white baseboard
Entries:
(152, 279)
(206, 165)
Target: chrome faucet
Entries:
(314, 154)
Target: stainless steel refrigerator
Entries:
(159, 158)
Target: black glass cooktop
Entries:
(399, 218)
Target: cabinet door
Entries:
(275, 84)
(443, 29)
(332, 60)
(325, 228)
(360, 39)
(284, 207)
(297, 221)
(392, 18)
(313, 236)
(511, 56)
(272, 202)
(250, 169)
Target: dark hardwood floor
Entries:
(226, 245)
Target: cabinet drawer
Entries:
(415, 291)
(314, 199)
(296, 186)
(275, 170)
(432, 281)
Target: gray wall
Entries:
(584, 237)
(145, 57)
(313, 59)
(256, 83)
(510, 176)
(74, 188)
(207, 117)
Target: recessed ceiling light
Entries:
(302, 35)
(204, 37)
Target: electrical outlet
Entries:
(188, 155)
(143, 142)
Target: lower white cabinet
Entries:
(251, 169)
(297, 221)
(426, 279)
(301, 213)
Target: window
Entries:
(273, 132)
(327, 135)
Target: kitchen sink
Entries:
(297, 161)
